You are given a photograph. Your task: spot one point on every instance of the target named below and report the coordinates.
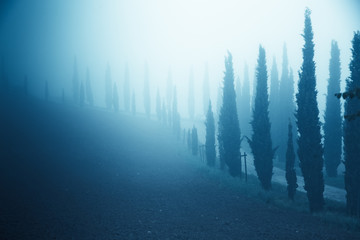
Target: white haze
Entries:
(40, 39)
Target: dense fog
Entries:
(41, 39)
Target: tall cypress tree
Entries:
(229, 130)
(286, 106)
(245, 108)
(289, 166)
(210, 137)
(206, 90)
(75, 83)
(260, 143)
(115, 100)
(108, 88)
(89, 93)
(333, 121)
(191, 99)
(158, 105)
(147, 103)
(310, 150)
(274, 103)
(127, 89)
(352, 133)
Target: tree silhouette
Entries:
(210, 137)
(290, 162)
(352, 133)
(260, 143)
(310, 150)
(333, 120)
(229, 130)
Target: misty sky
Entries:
(41, 38)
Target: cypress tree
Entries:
(245, 108)
(82, 94)
(333, 121)
(290, 163)
(206, 90)
(286, 106)
(260, 143)
(115, 99)
(108, 88)
(147, 99)
(210, 137)
(191, 100)
(310, 150)
(75, 84)
(89, 93)
(352, 133)
(274, 103)
(127, 89)
(158, 105)
(133, 104)
(194, 141)
(229, 130)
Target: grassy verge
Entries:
(334, 212)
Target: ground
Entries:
(75, 173)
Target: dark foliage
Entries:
(194, 141)
(310, 150)
(210, 137)
(260, 143)
(333, 119)
(352, 133)
(290, 162)
(229, 130)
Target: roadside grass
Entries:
(334, 212)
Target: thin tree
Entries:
(229, 130)
(206, 89)
(274, 104)
(352, 133)
(333, 119)
(286, 107)
(115, 100)
(210, 137)
(147, 100)
(310, 150)
(194, 141)
(108, 88)
(245, 108)
(260, 143)
(290, 163)
(127, 89)
(158, 105)
(191, 98)
(75, 83)
(89, 92)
